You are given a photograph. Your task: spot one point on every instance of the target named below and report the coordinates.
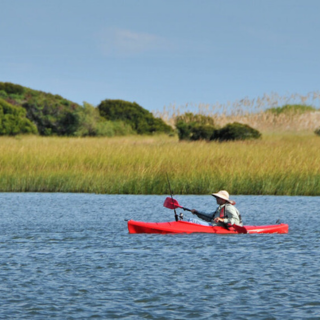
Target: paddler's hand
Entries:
(194, 211)
(216, 220)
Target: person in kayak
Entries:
(226, 213)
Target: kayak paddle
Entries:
(171, 203)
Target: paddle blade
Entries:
(171, 203)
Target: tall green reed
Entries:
(278, 164)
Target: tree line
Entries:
(23, 111)
(27, 111)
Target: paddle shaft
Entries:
(175, 213)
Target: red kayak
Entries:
(189, 227)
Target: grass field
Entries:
(277, 164)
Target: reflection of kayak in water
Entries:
(189, 227)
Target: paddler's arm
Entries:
(203, 215)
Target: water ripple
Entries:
(69, 256)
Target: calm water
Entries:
(69, 256)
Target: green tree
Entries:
(140, 119)
(13, 120)
(52, 116)
(11, 88)
(92, 124)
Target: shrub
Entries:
(51, 115)
(140, 119)
(290, 109)
(15, 99)
(202, 132)
(90, 123)
(88, 118)
(189, 117)
(121, 128)
(317, 131)
(236, 131)
(3, 94)
(184, 130)
(13, 120)
(11, 88)
(194, 127)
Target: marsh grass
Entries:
(253, 112)
(277, 164)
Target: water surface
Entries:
(69, 256)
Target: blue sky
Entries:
(161, 53)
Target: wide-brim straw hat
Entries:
(223, 194)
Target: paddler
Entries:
(226, 213)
